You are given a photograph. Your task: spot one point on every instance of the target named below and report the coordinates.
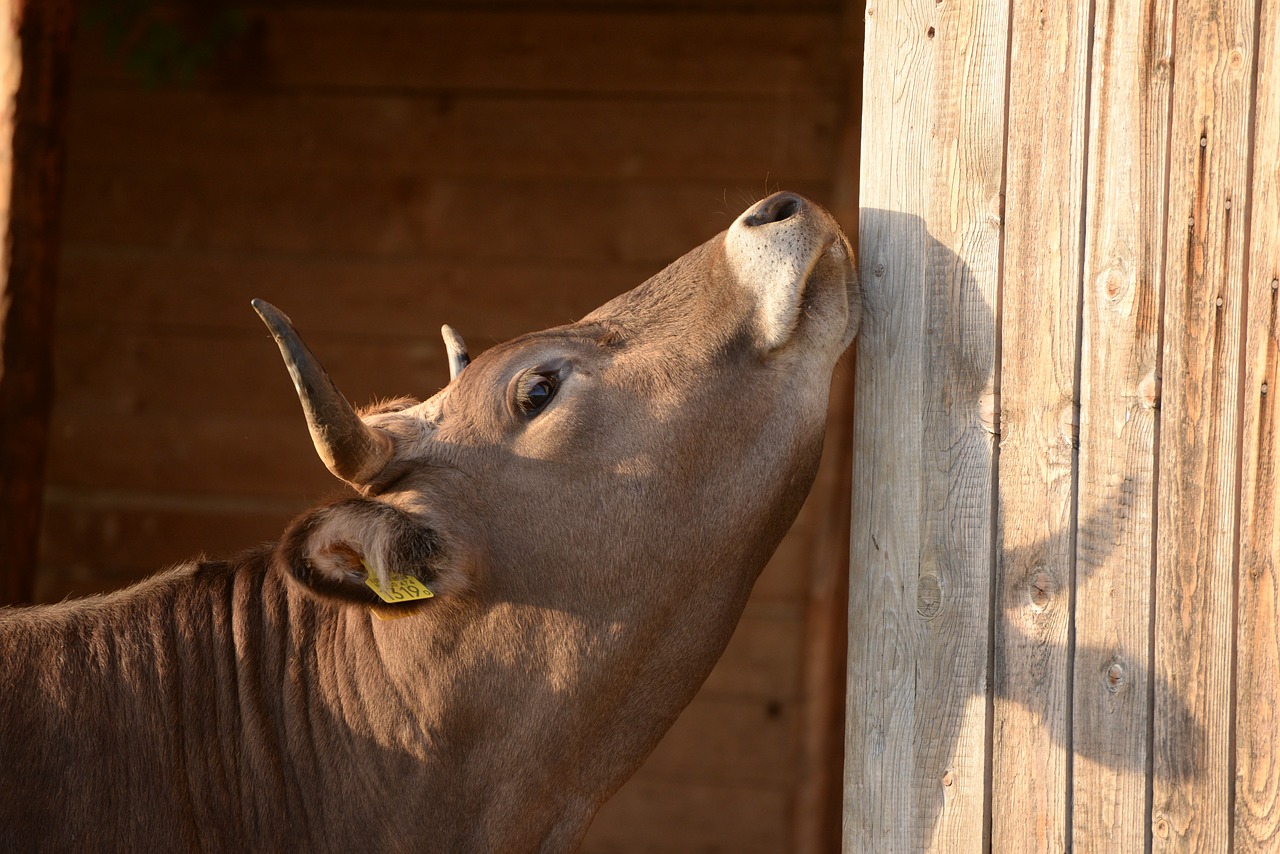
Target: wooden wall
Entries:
(376, 170)
(1063, 615)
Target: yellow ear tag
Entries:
(402, 588)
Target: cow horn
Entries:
(457, 350)
(351, 449)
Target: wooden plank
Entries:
(1200, 428)
(661, 816)
(759, 665)
(502, 136)
(750, 742)
(1257, 805)
(208, 292)
(336, 213)
(1049, 56)
(920, 554)
(96, 542)
(213, 455)
(515, 50)
(35, 50)
(177, 375)
(1119, 395)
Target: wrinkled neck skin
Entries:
(270, 717)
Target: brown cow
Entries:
(590, 506)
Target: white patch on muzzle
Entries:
(774, 259)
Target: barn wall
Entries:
(376, 170)
(1063, 624)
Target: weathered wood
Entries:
(35, 41)
(616, 51)
(206, 292)
(1200, 426)
(1257, 805)
(1119, 396)
(336, 213)
(649, 815)
(1049, 55)
(920, 553)
(589, 137)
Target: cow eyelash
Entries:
(534, 390)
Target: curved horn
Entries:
(351, 449)
(457, 350)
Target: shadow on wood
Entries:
(938, 596)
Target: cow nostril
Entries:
(776, 208)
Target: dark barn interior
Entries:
(377, 170)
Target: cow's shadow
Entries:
(952, 591)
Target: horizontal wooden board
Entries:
(342, 213)
(176, 373)
(661, 816)
(212, 455)
(605, 51)
(376, 298)
(99, 540)
(448, 137)
(751, 742)
(760, 662)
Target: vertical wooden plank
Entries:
(1257, 814)
(34, 53)
(920, 549)
(1199, 431)
(1049, 58)
(1118, 398)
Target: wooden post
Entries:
(1257, 779)
(34, 50)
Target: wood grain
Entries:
(1257, 807)
(920, 553)
(600, 136)
(1034, 568)
(656, 816)
(1119, 399)
(341, 213)
(1200, 426)
(449, 50)
(34, 71)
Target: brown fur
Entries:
(590, 564)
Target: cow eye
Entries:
(535, 391)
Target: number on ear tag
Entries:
(402, 588)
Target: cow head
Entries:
(662, 443)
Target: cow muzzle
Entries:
(780, 249)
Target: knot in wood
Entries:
(989, 412)
(929, 595)
(1115, 675)
(1069, 423)
(1113, 284)
(1149, 391)
(947, 779)
(1041, 590)
(879, 270)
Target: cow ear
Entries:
(344, 551)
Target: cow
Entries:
(532, 574)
